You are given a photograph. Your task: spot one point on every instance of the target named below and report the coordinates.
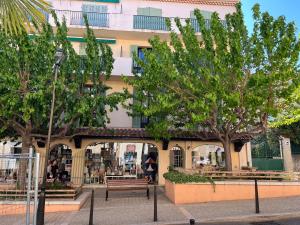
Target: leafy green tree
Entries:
(291, 113)
(17, 14)
(226, 81)
(26, 75)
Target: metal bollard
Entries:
(155, 204)
(256, 197)
(192, 222)
(92, 209)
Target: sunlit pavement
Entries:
(133, 208)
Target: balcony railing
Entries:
(76, 18)
(118, 21)
(149, 22)
(196, 26)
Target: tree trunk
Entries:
(227, 150)
(26, 142)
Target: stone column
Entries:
(285, 147)
(249, 156)
(77, 171)
(188, 157)
(42, 162)
(163, 164)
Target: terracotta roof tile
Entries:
(141, 133)
(204, 2)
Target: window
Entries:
(141, 55)
(176, 157)
(205, 155)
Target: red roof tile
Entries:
(204, 2)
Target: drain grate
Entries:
(265, 223)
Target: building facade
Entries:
(124, 150)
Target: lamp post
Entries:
(59, 56)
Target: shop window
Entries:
(59, 164)
(176, 157)
(208, 155)
(122, 160)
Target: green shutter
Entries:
(136, 120)
(143, 11)
(192, 14)
(205, 14)
(133, 49)
(149, 11)
(155, 12)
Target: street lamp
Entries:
(59, 57)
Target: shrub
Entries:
(182, 178)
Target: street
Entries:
(274, 221)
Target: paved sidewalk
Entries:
(133, 208)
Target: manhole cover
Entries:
(265, 223)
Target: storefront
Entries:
(119, 160)
(92, 156)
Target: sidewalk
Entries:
(133, 208)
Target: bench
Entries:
(66, 193)
(127, 184)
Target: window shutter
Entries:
(136, 120)
(205, 14)
(149, 11)
(143, 11)
(155, 12)
(133, 49)
(192, 15)
(94, 8)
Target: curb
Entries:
(248, 218)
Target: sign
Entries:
(130, 148)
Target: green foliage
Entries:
(182, 178)
(227, 81)
(56, 186)
(291, 113)
(26, 82)
(17, 14)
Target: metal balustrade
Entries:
(77, 18)
(149, 22)
(111, 20)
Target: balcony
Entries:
(149, 22)
(76, 18)
(121, 22)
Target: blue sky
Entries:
(289, 8)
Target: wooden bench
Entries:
(127, 184)
(66, 193)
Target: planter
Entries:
(228, 190)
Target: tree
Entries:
(291, 113)
(16, 14)
(26, 74)
(225, 81)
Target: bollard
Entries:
(91, 209)
(256, 197)
(192, 222)
(155, 204)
